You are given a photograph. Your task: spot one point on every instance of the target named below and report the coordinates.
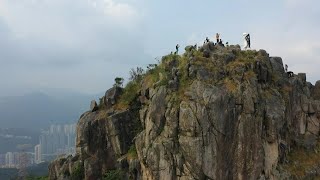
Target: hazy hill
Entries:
(38, 110)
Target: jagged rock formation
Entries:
(212, 113)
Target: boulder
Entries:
(303, 77)
(316, 91)
(111, 96)
(206, 53)
(277, 65)
(93, 106)
(263, 53)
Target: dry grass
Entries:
(230, 85)
(102, 114)
(130, 93)
(301, 161)
(249, 75)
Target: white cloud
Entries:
(60, 43)
(119, 10)
(121, 13)
(47, 18)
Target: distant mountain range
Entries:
(38, 110)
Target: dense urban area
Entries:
(56, 140)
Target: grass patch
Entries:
(230, 85)
(158, 74)
(301, 160)
(37, 178)
(102, 114)
(77, 173)
(114, 175)
(101, 104)
(130, 93)
(132, 153)
(249, 75)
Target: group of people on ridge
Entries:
(247, 44)
(219, 41)
(246, 37)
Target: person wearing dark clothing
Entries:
(217, 37)
(207, 40)
(246, 37)
(289, 73)
(248, 40)
(177, 49)
(286, 68)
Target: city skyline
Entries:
(58, 139)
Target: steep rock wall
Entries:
(215, 113)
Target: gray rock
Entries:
(173, 84)
(277, 65)
(303, 77)
(93, 106)
(263, 52)
(111, 96)
(206, 53)
(229, 58)
(316, 91)
(219, 125)
(189, 48)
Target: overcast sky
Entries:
(82, 45)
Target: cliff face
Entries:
(212, 113)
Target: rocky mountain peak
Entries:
(213, 112)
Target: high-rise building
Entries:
(43, 143)
(37, 154)
(59, 139)
(2, 160)
(9, 159)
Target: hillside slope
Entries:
(211, 113)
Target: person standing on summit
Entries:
(217, 37)
(177, 49)
(247, 43)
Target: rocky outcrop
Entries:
(223, 114)
(111, 96)
(93, 106)
(102, 138)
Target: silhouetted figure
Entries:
(286, 68)
(217, 37)
(289, 73)
(177, 49)
(207, 40)
(246, 40)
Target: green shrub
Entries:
(132, 152)
(114, 175)
(101, 105)
(37, 178)
(118, 82)
(130, 93)
(77, 173)
(230, 85)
